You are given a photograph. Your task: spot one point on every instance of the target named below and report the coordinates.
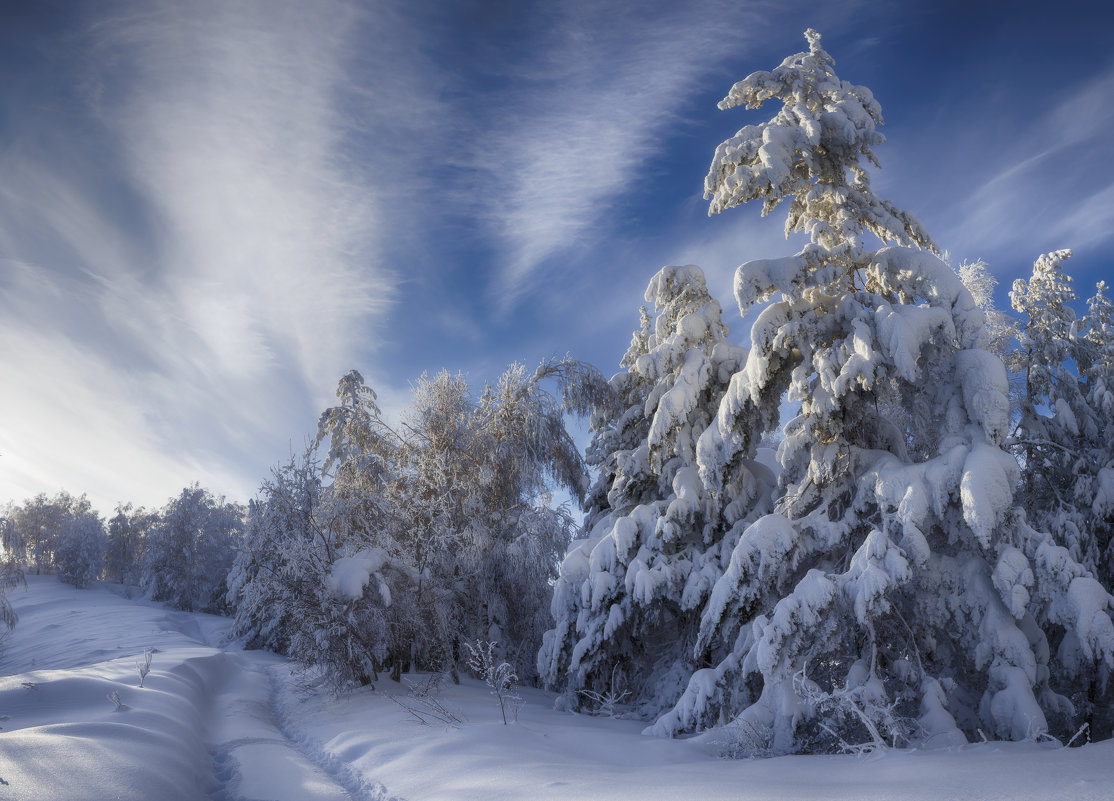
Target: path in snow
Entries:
(217, 724)
(252, 756)
(203, 725)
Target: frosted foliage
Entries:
(810, 153)
(190, 550)
(628, 599)
(81, 548)
(897, 587)
(429, 536)
(1063, 435)
(1001, 328)
(986, 489)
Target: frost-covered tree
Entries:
(80, 546)
(427, 537)
(300, 581)
(190, 550)
(1055, 419)
(11, 570)
(896, 593)
(127, 536)
(627, 602)
(1061, 436)
(473, 494)
(1096, 369)
(38, 523)
(1001, 328)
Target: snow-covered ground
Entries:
(213, 721)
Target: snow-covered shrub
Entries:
(423, 704)
(190, 549)
(143, 667)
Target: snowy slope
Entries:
(216, 722)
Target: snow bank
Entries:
(210, 723)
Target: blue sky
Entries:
(211, 210)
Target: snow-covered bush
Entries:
(143, 666)
(190, 550)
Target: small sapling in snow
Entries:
(498, 675)
(144, 667)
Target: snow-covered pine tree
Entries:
(1096, 369)
(1055, 421)
(896, 594)
(628, 598)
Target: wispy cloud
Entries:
(1045, 186)
(194, 260)
(589, 112)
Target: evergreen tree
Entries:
(1055, 419)
(1096, 369)
(895, 593)
(627, 601)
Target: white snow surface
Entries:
(351, 574)
(215, 722)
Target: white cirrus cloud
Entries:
(195, 252)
